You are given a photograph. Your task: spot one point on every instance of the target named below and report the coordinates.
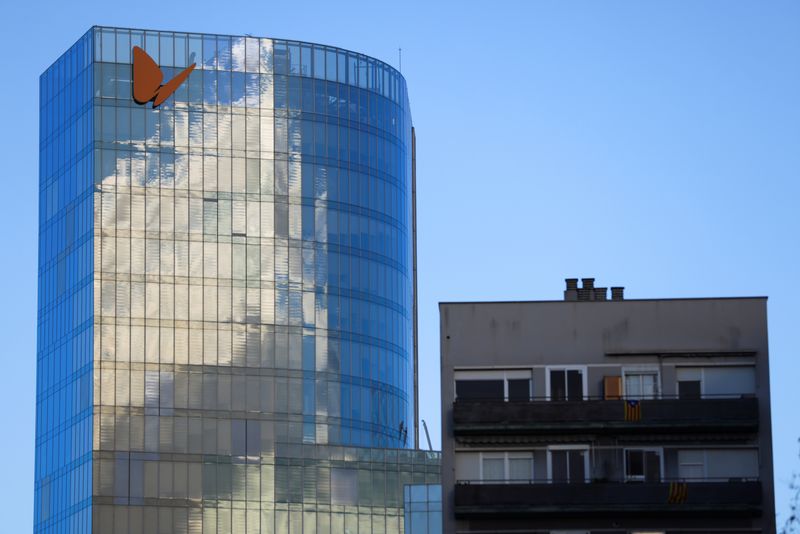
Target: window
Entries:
(716, 381)
(511, 385)
(726, 464)
(718, 464)
(729, 381)
(505, 467)
(690, 382)
(344, 486)
(519, 389)
(641, 384)
(692, 464)
(494, 468)
(479, 389)
(689, 389)
(643, 465)
(520, 468)
(566, 384)
(568, 465)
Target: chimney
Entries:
(586, 292)
(571, 293)
(572, 283)
(601, 293)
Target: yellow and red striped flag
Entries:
(633, 410)
(678, 492)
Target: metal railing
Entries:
(662, 480)
(584, 398)
(729, 496)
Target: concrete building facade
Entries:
(618, 416)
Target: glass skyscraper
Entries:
(226, 314)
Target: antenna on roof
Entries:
(400, 59)
(427, 436)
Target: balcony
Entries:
(731, 497)
(672, 415)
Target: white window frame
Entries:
(503, 375)
(505, 456)
(641, 370)
(586, 448)
(584, 369)
(659, 450)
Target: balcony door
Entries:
(643, 465)
(566, 383)
(568, 464)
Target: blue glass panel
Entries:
(63, 462)
(209, 52)
(166, 50)
(294, 59)
(223, 85)
(224, 59)
(210, 87)
(295, 94)
(238, 89)
(252, 91)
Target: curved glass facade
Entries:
(249, 250)
(343, 123)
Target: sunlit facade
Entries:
(226, 291)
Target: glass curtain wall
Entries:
(64, 362)
(247, 294)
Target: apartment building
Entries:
(597, 415)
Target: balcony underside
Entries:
(472, 418)
(740, 498)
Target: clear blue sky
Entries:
(654, 145)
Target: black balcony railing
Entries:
(494, 417)
(733, 496)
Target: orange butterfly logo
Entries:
(147, 78)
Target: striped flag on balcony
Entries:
(633, 410)
(678, 491)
